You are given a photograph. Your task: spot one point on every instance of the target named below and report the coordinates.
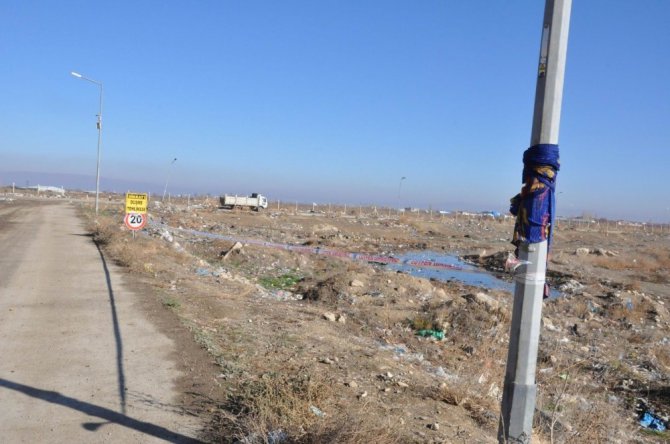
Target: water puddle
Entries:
(463, 272)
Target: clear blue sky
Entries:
(335, 101)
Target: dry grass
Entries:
(357, 427)
(572, 412)
(662, 355)
(296, 408)
(474, 353)
(276, 402)
(649, 265)
(482, 409)
(630, 310)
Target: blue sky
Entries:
(335, 101)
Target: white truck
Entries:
(255, 201)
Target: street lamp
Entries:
(399, 189)
(168, 178)
(99, 125)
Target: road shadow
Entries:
(110, 416)
(117, 333)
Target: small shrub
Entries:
(422, 322)
(286, 281)
(171, 302)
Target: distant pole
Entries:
(520, 389)
(167, 179)
(399, 190)
(99, 125)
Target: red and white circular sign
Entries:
(135, 221)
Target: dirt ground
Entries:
(310, 348)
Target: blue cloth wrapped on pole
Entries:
(534, 207)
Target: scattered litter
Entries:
(549, 325)
(273, 437)
(571, 286)
(603, 252)
(440, 373)
(316, 411)
(277, 437)
(494, 392)
(327, 361)
(285, 295)
(650, 421)
(437, 334)
(202, 271)
(582, 251)
(166, 236)
(513, 262)
(397, 349)
(237, 246)
(400, 352)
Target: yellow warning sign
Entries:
(137, 203)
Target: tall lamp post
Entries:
(400, 189)
(99, 125)
(167, 179)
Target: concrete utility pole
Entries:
(167, 179)
(99, 126)
(399, 190)
(520, 389)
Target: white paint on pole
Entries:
(520, 389)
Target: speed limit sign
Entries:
(135, 221)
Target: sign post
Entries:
(136, 211)
(535, 212)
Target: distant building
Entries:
(48, 189)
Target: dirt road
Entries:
(80, 361)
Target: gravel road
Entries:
(80, 362)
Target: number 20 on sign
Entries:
(135, 221)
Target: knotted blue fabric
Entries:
(535, 206)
